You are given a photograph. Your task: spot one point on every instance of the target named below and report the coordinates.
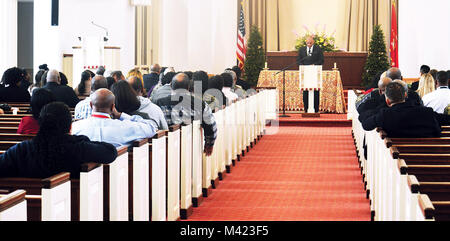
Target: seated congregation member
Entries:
(109, 81)
(153, 111)
(424, 69)
(227, 85)
(375, 98)
(100, 71)
(239, 81)
(184, 107)
(108, 125)
(401, 118)
(62, 93)
(10, 90)
(83, 109)
(64, 80)
(426, 85)
(117, 75)
(152, 79)
(84, 87)
(26, 79)
(54, 150)
(165, 90)
(412, 96)
(40, 98)
(236, 88)
(440, 98)
(215, 87)
(126, 99)
(37, 81)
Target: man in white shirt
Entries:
(227, 85)
(106, 124)
(440, 98)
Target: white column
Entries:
(8, 33)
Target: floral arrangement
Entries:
(324, 41)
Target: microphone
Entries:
(106, 30)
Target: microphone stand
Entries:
(284, 88)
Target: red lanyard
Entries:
(101, 116)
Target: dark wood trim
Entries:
(402, 166)
(122, 150)
(215, 183)
(427, 206)
(130, 183)
(207, 191)
(12, 199)
(174, 128)
(106, 190)
(87, 167)
(139, 143)
(413, 184)
(158, 135)
(197, 201)
(228, 168)
(394, 152)
(56, 180)
(186, 213)
(150, 166)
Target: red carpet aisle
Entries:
(301, 173)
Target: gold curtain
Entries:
(280, 21)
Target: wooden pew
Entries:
(186, 170)
(115, 187)
(158, 147)
(173, 172)
(13, 206)
(139, 180)
(9, 124)
(197, 163)
(48, 199)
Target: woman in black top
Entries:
(10, 90)
(126, 99)
(54, 150)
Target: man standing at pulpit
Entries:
(310, 54)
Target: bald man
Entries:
(151, 80)
(106, 124)
(83, 109)
(62, 93)
(311, 54)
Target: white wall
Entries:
(424, 35)
(198, 35)
(8, 35)
(75, 16)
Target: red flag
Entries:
(242, 43)
(394, 36)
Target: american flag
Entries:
(241, 43)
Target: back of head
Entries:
(102, 100)
(117, 74)
(227, 80)
(136, 84)
(216, 82)
(110, 81)
(53, 76)
(395, 92)
(394, 73)
(167, 78)
(39, 99)
(237, 70)
(55, 119)
(101, 70)
(155, 68)
(433, 73)
(181, 81)
(383, 83)
(442, 78)
(201, 76)
(232, 73)
(38, 77)
(189, 74)
(126, 97)
(134, 72)
(99, 82)
(43, 67)
(424, 69)
(426, 85)
(12, 77)
(63, 77)
(85, 76)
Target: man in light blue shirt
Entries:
(108, 125)
(83, 109)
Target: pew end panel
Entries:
(13, 206)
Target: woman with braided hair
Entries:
(54, 150)
(10, 86)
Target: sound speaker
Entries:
(55, 12)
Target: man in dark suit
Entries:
(62, 93)
(311, 54)
(151, 80)
(402, 119)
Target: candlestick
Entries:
(335, 66)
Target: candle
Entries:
(265, 65)
(335, 66)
